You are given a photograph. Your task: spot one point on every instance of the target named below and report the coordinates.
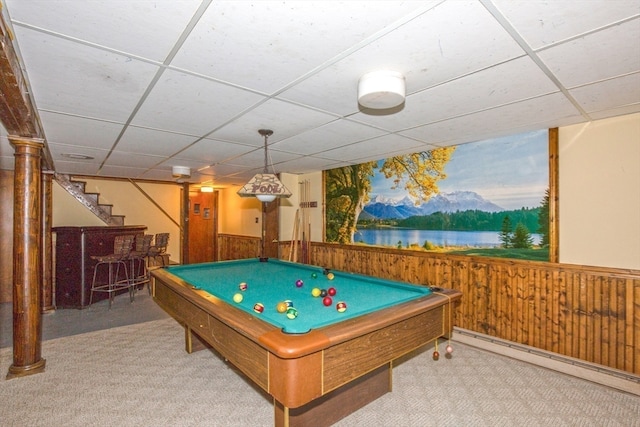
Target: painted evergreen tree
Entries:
(522, 239)
(506, 233)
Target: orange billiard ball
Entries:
(281, 307)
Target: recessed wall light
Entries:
(76, 156)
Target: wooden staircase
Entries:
(89, 200)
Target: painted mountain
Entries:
(381, 208)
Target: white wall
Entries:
(599, 196)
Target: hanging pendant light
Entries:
(264, 186)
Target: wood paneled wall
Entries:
(237, 247)
(588, 313)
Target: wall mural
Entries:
(488, 198)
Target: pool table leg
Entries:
(339, 403)
(193, 342)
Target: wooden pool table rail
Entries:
(332, 364)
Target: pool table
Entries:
(319, 364)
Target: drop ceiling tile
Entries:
(213, 151)
(160, 143)
(267, 44)
(539, 113)
(326, 137)
(58, 152)
(77, 168)
(374, 149)
(76, 79)
(132, 160)
(284, 118)
(609, 93)
(145, 28)
(117, 171)
(603, 55)
(73, 130)
(188, 104)
(310, 164)
(542, 23)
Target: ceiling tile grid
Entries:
(144, 85)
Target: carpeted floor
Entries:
(140, 375)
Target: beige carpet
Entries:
(139, 375)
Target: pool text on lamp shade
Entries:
(264, 184)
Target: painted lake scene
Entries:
(486, 198)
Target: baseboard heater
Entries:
(610, 377)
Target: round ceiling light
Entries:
(381, 90)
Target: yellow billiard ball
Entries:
(237, 298)
(315, 292)
(282, 307)
(330, 276)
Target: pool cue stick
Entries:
(293, 234)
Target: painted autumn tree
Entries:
(347, 189)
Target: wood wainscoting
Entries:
(584, 312)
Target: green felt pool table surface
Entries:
(274, 281)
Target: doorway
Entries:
(203, 227)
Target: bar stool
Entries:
(158, 251)
(138, 270)
(114, 263)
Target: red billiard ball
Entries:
(341, 306)
(327, 301)
(331, 291)
(258, 307)
(242, 286)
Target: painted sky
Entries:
(512, 171)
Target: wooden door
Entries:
(271, 245)
(203, 227)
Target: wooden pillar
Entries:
(184, 223)
(554, 196)
(47, 243)
(27, 272)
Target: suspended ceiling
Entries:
(140, 86)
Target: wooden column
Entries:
(554, 196)
(47, 242)
(27, 272)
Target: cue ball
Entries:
(327, 301)
(331, 291)
(299, 283)
(242, 286)
(237, 298)
(330, 276)
(315, 292)
(282, 307)
(258, 307)
(292, 313)
(341, 306)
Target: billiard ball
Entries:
(330, 276)
(237, 298)
(315, 292)
(314, 275)
(331, 291)
(258, 307)
(299, 283)
(327, 301)
(341, 306)
(323, 293)
(292, 313)
(242, 286)
(289, 303)
(281, 307)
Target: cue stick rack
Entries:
(302, 227)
